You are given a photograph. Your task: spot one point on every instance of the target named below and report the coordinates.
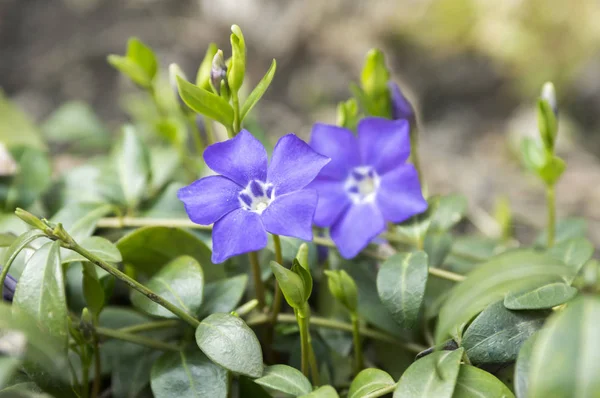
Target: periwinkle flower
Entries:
(252, 197)
(8, 289)
(367, 182)
(401, 107)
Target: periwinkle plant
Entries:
(118, 293)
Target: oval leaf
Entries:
(204, 102)
(515, 270)
(40, 292)
(564, 361)
(322, 392)
(473, 382)
(229, 342)
(574, 253)
(422, 379)
(496, 335)
(401, 282)
(181, 282)
(285, 379)
(546, 296)
(223, 295)
(133, 166)
(291, 284)
(369, 381)
(187, 374)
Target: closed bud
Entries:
(31, 219)
(549, 95)
(218, 72)
(343, 288)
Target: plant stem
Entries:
(277, 295)
(246, 308)
(85, 373)
(334, 324)
(442, 273)
(144, 327)
(259, 288)
(358, 358)
(382, 391)
(414, 150)
(133, 283)
(97, 369)
(551, 203)
(136, 339)
(303, 326)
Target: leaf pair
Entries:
(295, 283)
(139, 63)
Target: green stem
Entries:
(85, 373)
(196, 135)
(414, 150)
(236, 113)
(97, 369)
(136, 339)
(133, 283)
(382, 391)
(144, 327)
(312, 359)
(358, 358)
(246, 308)
(277, 295)
(259, 288)
(551, 203)
(303, 326)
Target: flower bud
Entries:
(401, 107)
(10, 284)
(343, 288)
(549, 95)
(218, 73)
(31, 219)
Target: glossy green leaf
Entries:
(223, 295)
(437, 245)
(449, 211)
(148, 249)
(522, 367)
(291, 284)
(322, 392)
(187, 374)
(431, 376)
(230, 343)
(473, 382)
(546, 296)
(564, 361)
(258, 91)
(368, 381)
(496, 335)
(566, 229)
(401, 282)
(573, 252)
(203, 74)
(547, 123)
(131, 374)
(180, 282)
(511, 271)
(139, 64)
(32, 178)
(97, 245)
(206, 103)
(40, 292)
(92, 289)
(237, 70)
(133, 165)
(343, 288)
(285, 379)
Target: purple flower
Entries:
(8, 290)
(250, 198)
(367, 181)
(401, 107)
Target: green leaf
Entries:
(258, 91)
(139, 64)
(237, 71)
(16, 128)
(224, 295)
(437, 245)
(163, 164)
(564, 361)
(473, 382)
(574, 252)
(401, 282)
(522, 367)
(101, 247)
(80, 220)
(431, 376)
(92, 289)
(180, 282)
(533, 155)
(206, 103)
(511, 271)
(203, 74)
(374, 81)
(19, 244)
(449, 211)
(187, 374)
(322, 392)
(133, 166)
(552, 170)
(547, 124)
(32, 179)
(368, 381)
(8, 367)
(148, 249)
(497, 334)
(291, 284)
(347, 114)
(229, 342)
(23, 390)
(343, 288)
(304, 273)
(130, 375)
(566, 229)
(40, 292)
(546, 296)
(285, 379)
(415, 228)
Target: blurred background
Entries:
(473, 69)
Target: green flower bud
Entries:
(291, 284)
(343, 288)
(235, 76)
(546, 114)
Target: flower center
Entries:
(362, 184)
(256, 196)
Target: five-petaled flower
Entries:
(250, 198)
(367, 182)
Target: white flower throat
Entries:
(362, 184)
(257, 196)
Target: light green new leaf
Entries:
(187, 374)
(180, 282)
(16, 128)
(204, 102)
(258, 91)
(285, 379)
(533, 154)
(322, 392)
(564, 361)
(522, 367)
(343, 288)
(511, 271)
(229, 342)
(203, 74)
(401, 282)
(223, 295)
(140, 63)
(473, 382)
(422, 379)
(547, 123)
(133, 166)
(369, 381)
(97, 245)
(40, 292)
(291, 284)
(546, 296)
(237, 70)
(496, 335)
